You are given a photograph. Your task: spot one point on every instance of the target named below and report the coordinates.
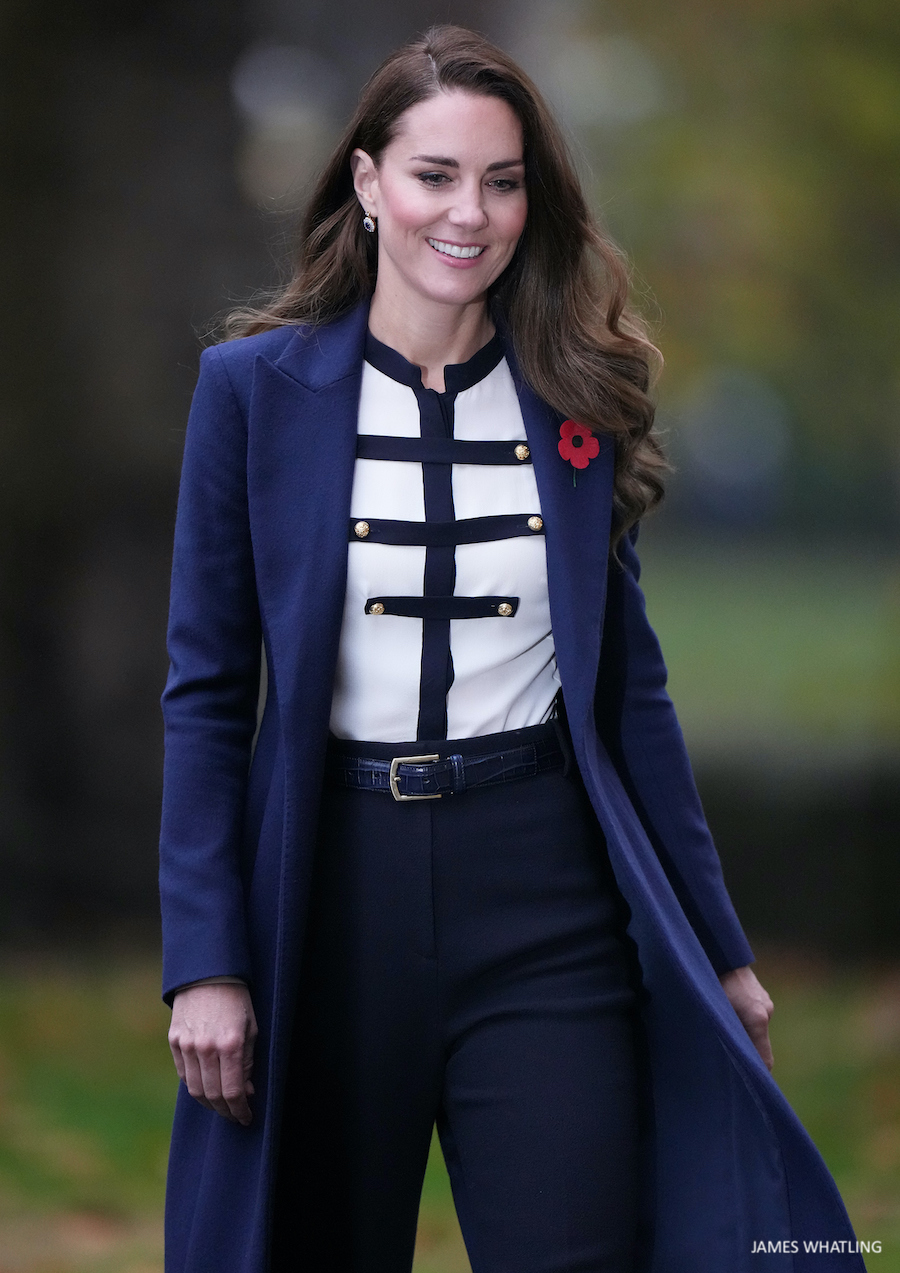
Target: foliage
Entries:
(760, 200)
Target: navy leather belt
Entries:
(431, 776)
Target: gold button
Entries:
(505, 609)
(534, 523)
(522, 452)
(362, 529)
(376, 608)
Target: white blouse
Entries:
(504, 673)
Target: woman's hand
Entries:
(211, 1036)
(753, 1006)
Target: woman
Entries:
(451, 383)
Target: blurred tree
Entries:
(123, 223)
(761, 199)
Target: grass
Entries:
(836, 1035)
(778, 650)
(86, 1089)
(85, 1106)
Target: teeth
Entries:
(451, 249)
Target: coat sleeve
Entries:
(637, 723)
(210, 698)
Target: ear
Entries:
(365, 180)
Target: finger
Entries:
(193, 1078)
(234, 1088)
(222, 1070)
(211, 1071)
(764, 1048)
(177, 1057)
(247, 1057)
(247, 1060)
(763, 1045)
(234, 1057)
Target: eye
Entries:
(433, 179)
(505, 184)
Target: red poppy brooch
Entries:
(577, 445)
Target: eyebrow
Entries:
(445, 162)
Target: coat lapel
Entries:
(577, 521)
(300, 464)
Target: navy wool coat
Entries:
(260, 558)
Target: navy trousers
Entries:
(464, 966)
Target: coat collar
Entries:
(317, 465)
(328, 354)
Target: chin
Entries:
(459, 291)
(470, 298)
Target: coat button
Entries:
(361, 529)
(505, 609)
(522, 452)
(376, 608)
(534, 523)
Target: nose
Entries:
(468, 210)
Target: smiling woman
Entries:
(460, 874)
(450, 210)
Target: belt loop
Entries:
(561, 725)
(459, 774)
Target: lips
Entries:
(454, 249)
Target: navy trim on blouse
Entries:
(457, 376)
(454, 607)
(380, 446)
(437, 450)
(435, 534)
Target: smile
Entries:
(453, 249)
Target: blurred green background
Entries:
(87, 1090)
(746, 154)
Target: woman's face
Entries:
(449, 196)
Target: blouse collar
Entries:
(457, 376)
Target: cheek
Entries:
(407, 211)
(514, 222)
(513, 232)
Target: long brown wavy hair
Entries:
(564, 294)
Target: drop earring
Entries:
(369, 223)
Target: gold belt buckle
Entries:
(394, 778)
